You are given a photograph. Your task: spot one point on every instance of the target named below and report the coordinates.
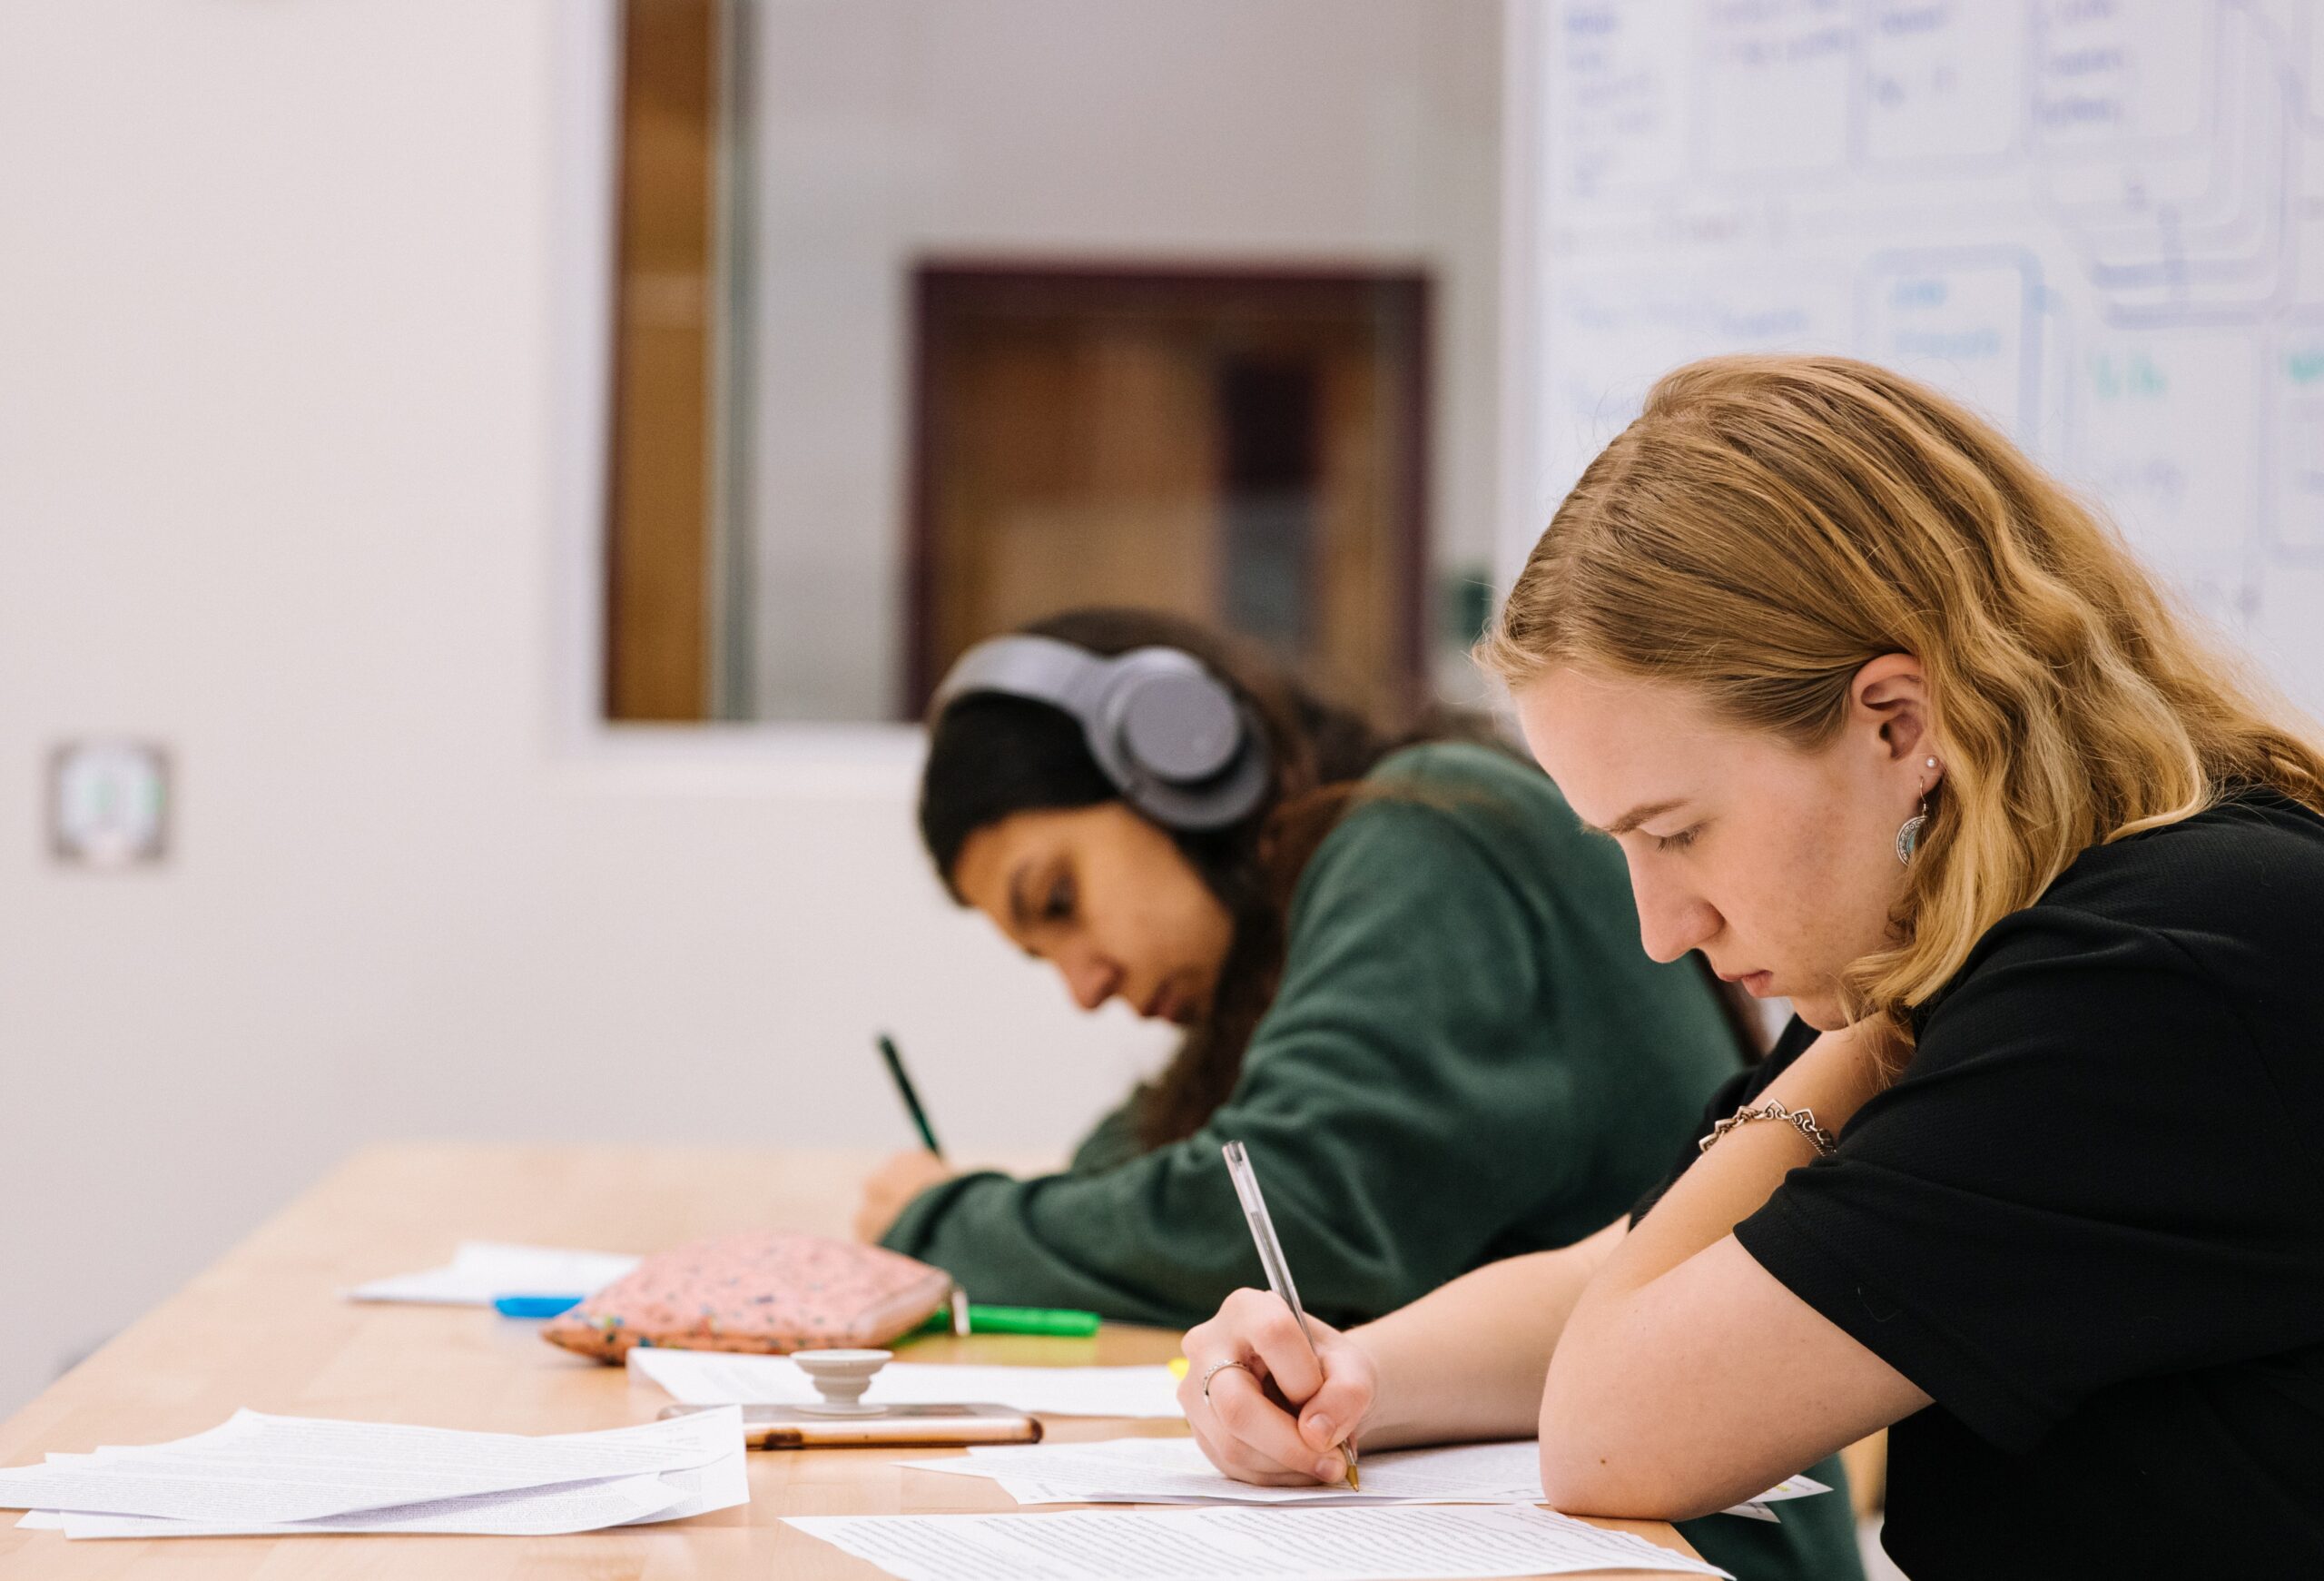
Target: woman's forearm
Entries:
(1729, 1182)
(1466, 1362)
(1658, 1402)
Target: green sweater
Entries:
(1468, 1058)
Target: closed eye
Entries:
(1679, 841)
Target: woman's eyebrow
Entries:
(1636, 816)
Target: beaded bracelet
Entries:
(1800, 1119)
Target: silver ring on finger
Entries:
(1214, 1369)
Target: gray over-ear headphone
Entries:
(1170, 734)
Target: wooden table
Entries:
(266, 1328)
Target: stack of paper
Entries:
(289, 1475)
(707, 1378)
(481, 1272)
(1402, 1543)
(1174, 1471)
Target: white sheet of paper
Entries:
(705, 1378)
(1030, 1492)
(572, 1507)
(723, 1484)
(532, 1512)
(482, 1270)
(1174, 1471)
(1171, 1470)
(1394, 1543)
(1798, 1487)
(259, 1469)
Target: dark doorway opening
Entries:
(1248, 447)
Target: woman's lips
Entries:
(1170, 1003)
(1754, 984)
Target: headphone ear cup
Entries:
(1184, 751)
(1166, 732)
(1228, 798)
(1182, 728)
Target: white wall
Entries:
(1336, 133)
(294, 477)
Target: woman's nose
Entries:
(1088, 978)
(1671, 920)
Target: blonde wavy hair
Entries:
(1769, 524)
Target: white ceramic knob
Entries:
(841, 1376)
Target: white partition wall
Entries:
(300, 449)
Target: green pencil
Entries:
(1057, 1322)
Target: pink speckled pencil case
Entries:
(767, 1291)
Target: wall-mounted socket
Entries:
(109, 803)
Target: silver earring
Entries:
(1908, 837)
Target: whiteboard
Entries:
(2100, 221)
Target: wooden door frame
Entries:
(657, 655)
(1162, 286)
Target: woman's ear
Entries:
(1889, 699)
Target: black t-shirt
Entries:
(2088, 1221)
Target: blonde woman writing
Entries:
(1884, 721)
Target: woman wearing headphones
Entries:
(1408, 982)
(1884, 721)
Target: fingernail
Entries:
(1331, 1468)
(1319, 1429)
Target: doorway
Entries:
(1244, 447)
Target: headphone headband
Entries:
(1173, 738)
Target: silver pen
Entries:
(1255, 1210)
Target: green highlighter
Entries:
(1055, 1321)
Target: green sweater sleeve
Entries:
(1397, 1099)
(1112, 1142)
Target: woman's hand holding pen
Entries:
(889, 1190)
(1263, 1405)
